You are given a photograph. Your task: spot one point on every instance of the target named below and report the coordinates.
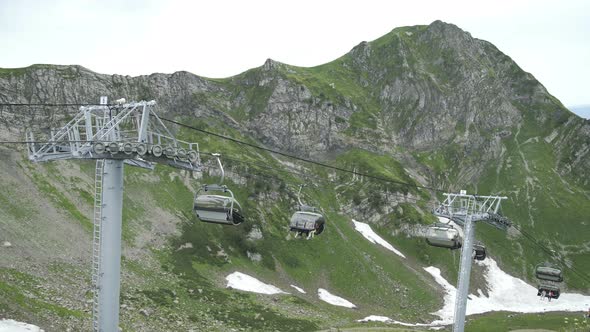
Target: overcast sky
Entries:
(220, 38)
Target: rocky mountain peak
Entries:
(271, 64)
(447, 30)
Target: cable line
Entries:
(300, 158)
(548, 251)
(316, 178)
(256, 147)
(53, 105)
(528, 236)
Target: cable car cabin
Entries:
(549, 273)
(548, 291)
(479, 252)
(310, 223)
(218, 209)
(443, 236)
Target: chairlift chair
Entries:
(548, 291)
(479, 252)
(443, 236)
(548, 273)
(307, 220)
(217, 209)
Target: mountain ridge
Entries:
(424, 104)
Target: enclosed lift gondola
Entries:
(217, 209)
(307, 220)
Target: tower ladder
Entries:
(96, 241)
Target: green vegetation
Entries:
(504, 322)
(19, 295)
(380, 96)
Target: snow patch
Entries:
(300, 290)
(374, 318)
(9, 325)
(369, 234)
(446, 313)
(241, 281)
(333, 299)
(505, 293)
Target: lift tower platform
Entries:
(466, 210)
(113, 135)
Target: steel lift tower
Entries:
(113, 135)
(466, 210)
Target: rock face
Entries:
(417, 88)
(426, 104)
(453, 108)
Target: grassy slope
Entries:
(339, 260)
(347, 265)
(540, 201)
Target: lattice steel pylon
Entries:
(128, 133)
(466, 210)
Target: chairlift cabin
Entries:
(548, 273)
(444, 236)
(307, 220)
(479, 252)
(217, 209)
(548, 291)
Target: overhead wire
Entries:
(203, 152)
(284, 154)
(54, 104)
(550, 252)
(318, 179)
(306, 160)
(392, 194)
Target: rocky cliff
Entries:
(416, 89)
(428, 105)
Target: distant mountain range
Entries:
(583, 110)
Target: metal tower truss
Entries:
(481, 208)
(131, 132)
(113, 135)
(466, 210)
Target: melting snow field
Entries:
(333, 299)
(9, 325)
(505, 293)
(369, 234)
(247, 283)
